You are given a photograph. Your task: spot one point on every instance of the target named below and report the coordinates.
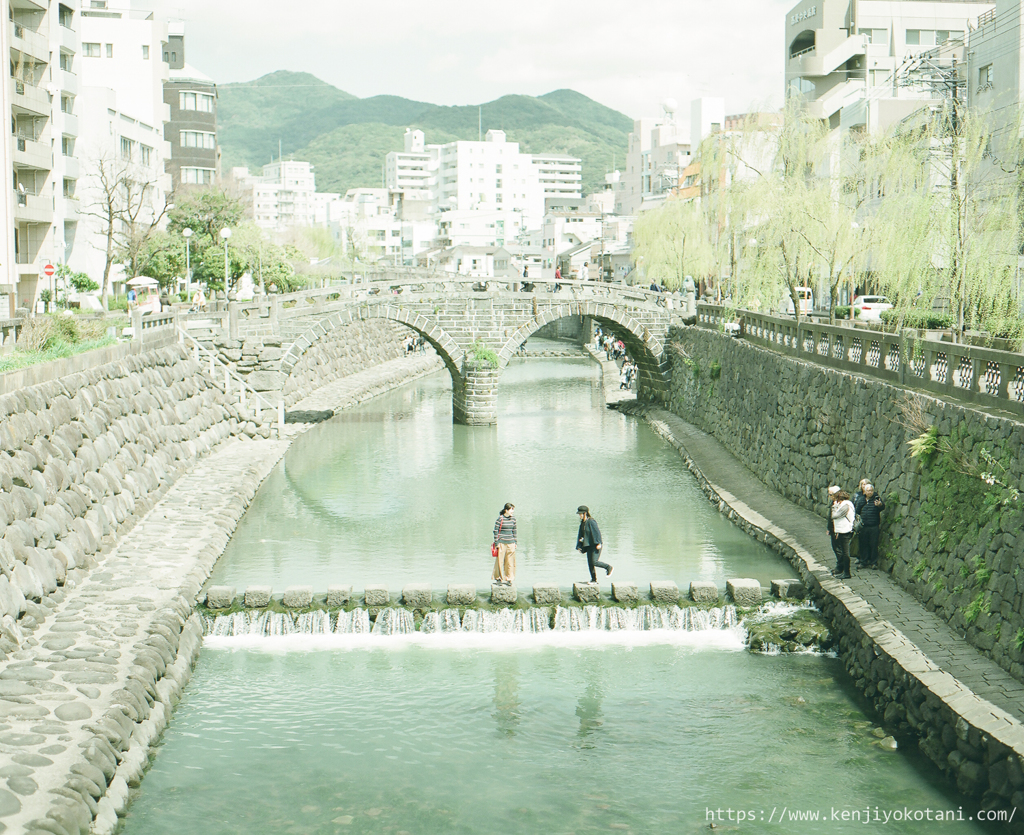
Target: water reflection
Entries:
(507, 705)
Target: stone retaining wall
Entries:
(974, 743)
(337, 354)
(801, 427)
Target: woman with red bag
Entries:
(504, 546)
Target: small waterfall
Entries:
(393, 621)
(643, 619)
(399, 621)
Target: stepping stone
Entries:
(744, 592)
(220, 597)
(704, 593)
(547, 594)
(376, 596)
(586, 592)
(416, 595)
(503, 594)
(664, 591)
(461, 595)
(625, 593)
(338, 596)
(788, 588)
(298, 597)
(257, 597)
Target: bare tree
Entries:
(123, 204)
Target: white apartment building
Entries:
(284, 195)
(39, 214)
(994, 70)
(844, 57)
(491, 176)
(657, 152)
(122, 113)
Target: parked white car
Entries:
(806, 297)
(869, 308)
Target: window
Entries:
(198, 176)
(876, 36)
(127, 147)
(66, 59)
(98, 4)
(145, 155)
(198, 139)
(67, 104)
(69, 188)
(110, 50)
(67, 146)
(145, 52)
(91, 50)
(65, 16)
(923, 37)
(985, 77)
(195, 101)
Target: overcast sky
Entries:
(627, 54)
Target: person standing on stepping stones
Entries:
(505, 538)
(589, 542)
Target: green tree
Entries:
(672, 241)
(205, 211)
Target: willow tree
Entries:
(951, 211)
(671, 242)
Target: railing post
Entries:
(137, 325)
(903, 356)
(232, 320)
(275, 306)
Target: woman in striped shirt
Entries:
(505, 538)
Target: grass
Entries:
(57, 336)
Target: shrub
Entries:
(921, 319)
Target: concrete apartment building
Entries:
(122, 116)
(40, 212)
(844, 57)
(191, 132)
(657, 152)
(491, 176)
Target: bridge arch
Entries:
(643, 346)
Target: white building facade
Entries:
(122, 117)
(658, 151)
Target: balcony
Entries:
(831, 51)
(68, 82)
(72, 209)
(29, 42)
(32, 208)
(70, 124)
(29, 98)
(32, 153)
(840, 96)
(69, 39)
(72, 168)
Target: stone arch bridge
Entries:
(475, 325)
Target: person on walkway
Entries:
(588, 540)
(505, 538)
(869, 507)
(585, 271)
(842, 532)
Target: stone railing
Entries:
(9, 331)
(274, 308)
(980, 375)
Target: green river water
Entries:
(567, 732)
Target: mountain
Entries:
(347, 138)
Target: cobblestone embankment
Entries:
(121, 487)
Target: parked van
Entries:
(806, 302)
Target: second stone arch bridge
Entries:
(476, 326)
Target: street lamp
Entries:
(187, 235)
(225, 233)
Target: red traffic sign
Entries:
(49, 270)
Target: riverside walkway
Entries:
(977, 688)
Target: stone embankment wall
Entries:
(87, 454)
(953, 528)
(337, 354)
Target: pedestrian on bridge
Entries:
(504, 572)
(588, 540)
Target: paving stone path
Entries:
(885, 601)
(355, 388)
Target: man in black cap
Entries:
(589, 542)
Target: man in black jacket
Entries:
(869, 507)
(588, 540)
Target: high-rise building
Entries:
(192, 129)
(846, 58)
(284, 195)
(40, 213)
(657, 152)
